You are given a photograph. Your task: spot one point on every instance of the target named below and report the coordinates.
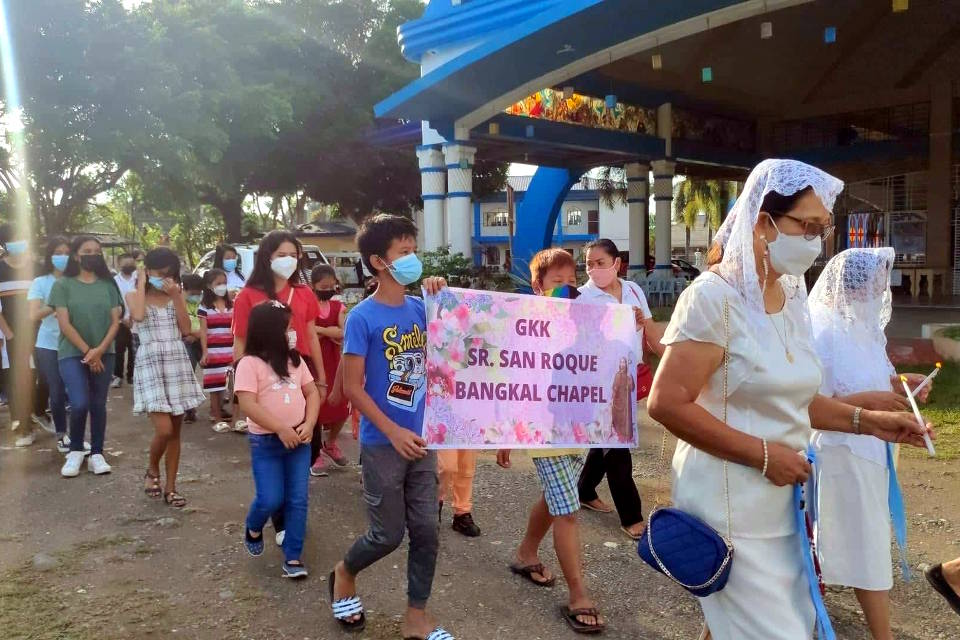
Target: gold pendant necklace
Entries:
(783, 337)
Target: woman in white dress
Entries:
(775, 229)
(850, 305)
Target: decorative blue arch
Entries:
(537, 214)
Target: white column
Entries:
(663, 171)
(459, 158)
(638, 226)
(433, 183)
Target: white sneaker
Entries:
(25, 441)
(116, 383)
(71, 468)
(97, 465)
(44, 423)
(280, 536)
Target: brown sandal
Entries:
(174, 499)
(153, 490)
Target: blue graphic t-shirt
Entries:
(393, 342)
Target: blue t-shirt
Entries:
(393, 343)
(48, 335)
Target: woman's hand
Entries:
(785, 466)
(203, 358)
(879, 401)
(305, 432)
(433, 285)
(895, 427)
(170, 287)
(913, 379)
(289, 437)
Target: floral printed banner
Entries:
(512, 371)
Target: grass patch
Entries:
(942, 409)
(950, 332)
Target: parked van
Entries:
(346, 265)
(247, 253)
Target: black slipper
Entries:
(346, 607)
(530, 569)
(935, 577)
(570, 615)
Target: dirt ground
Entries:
(92, 557)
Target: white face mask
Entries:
(292, 339)
(220, 290)
(793, 255)
(284, 266)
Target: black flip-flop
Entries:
(346, 607)
(437, 634)
(570, 615)
(935, 577)
(527, 572)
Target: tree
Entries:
(694, 196)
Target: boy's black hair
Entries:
(322, 271)
(377, 233)
(52, 244)
(267, 337)
(191, 282)
(262, 275)
(209, 297)
(162, 259)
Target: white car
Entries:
(247, 254)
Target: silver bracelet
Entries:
(856, 420)
(766, 457)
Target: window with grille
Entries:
(496, 219)
(593, 222)
(574, 218)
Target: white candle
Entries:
(916, 413)
(926, 381)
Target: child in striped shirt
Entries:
(216, 339)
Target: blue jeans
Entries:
(281, 477)
(49, 368)
(88, 395)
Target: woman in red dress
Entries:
(329, 325)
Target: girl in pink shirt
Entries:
(277, 394)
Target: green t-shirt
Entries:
(90, 306)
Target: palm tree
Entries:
(694, 196)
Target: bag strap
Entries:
(290, 295)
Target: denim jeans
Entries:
(88, 395)
(281, 477)
(49, 368)
(400, 495)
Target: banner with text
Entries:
(512, 371)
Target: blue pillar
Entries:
(537, 215)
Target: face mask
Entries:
(406, 270)
(292, 339)
(325, 294)
(603, 277)
(17, 247)
(194, 297)
(127, 269)
(156, 282)
(230, 265)
(92, 262)
(563, 291)
(793, 255)
(220, 290)
(59, 262)
(284, 267)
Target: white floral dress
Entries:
(163, 379)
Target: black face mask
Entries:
(127, 269)
(325, 295)
(92, 262)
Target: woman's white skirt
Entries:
(853, 535)
(767, 596)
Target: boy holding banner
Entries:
(558, 471)
(384, 367)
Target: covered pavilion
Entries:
(705, 88)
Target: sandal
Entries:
(222, 427)
(174, 499)
(633, 536)
(437, 634)
(346, 608)
(154, 490)
(530, 569)
(604, 509)
(570, 615)
(240, 426)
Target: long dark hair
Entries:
(165, 259)
(267, 337)
(53, 244)
(102, 272)
(209, 297)
(218, 258)
(262, 275)
(606, 245)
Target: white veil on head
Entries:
(850, 306)
(738, 266)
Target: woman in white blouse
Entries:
(770, 238)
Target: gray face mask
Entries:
(793, 255)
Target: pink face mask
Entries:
(603, 277)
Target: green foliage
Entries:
(445, 264)
(694, 196)
(942, 409)
(951, 332)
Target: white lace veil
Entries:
(738, 266)
(850, 306)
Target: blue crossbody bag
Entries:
(681, 546)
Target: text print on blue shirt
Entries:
(408, 367)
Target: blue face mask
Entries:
(156, 282)
(230, 265)
(17, 247)
(193, 297)
(406, 270)
(59, 262)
